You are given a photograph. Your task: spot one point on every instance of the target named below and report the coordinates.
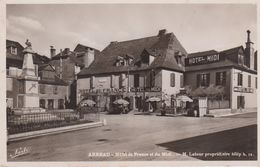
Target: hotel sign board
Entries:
(199, 60)
(243, 90)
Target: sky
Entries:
(199, 27)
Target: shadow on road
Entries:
(238, 144)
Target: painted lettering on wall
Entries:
(202, 60)
(243, 90)
(121, 90)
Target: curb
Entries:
(225, 115)
(33, 134)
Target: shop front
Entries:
(136, 97)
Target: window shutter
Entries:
(249, 81)
(198, 80)
(92, 82)
(217, 78)
(224, 78)
(181, 81)
(207, 79)
(172, 79)
(256, 82)
(112, 81)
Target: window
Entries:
(240, 59)
(172, 80)
(42, 89)
(61, 103)
(249, 81)
(9, 84)
(181, 81)
(14, 50)
(92, 82)
(239, 79)
(55, 90)
(136, 80)
(152, 79)
(221, 78)
(21, 87)
(203, 79)
(42, 103)
(256, 82)
(50, 103)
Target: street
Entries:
(149, 137)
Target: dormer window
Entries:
(13, 50)
(178, 57)
(124, 61)
(241, 59)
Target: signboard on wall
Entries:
(199, 60)
(117, 90)
(243, 90)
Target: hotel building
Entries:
(159, 66)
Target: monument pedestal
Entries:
(30, 97)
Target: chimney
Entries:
(67, 50)
(248, 36)
(89, 57)
(162, 32)
(113, 42)
(249, 52)
(52, 51)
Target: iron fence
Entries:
(19, 123)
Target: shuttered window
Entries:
(42, 89)
(92, 82)
(136, 80)
(181, 81)
(221, 78)
(249, 81)
(203, 79)
(152, 78)
(239, 79)
(172, 80)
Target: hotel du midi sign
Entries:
(202, 60)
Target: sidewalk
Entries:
(230, 113)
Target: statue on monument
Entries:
(28, 44)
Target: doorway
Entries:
(240, 102)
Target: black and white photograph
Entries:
(116, 82)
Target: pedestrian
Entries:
(163, 111)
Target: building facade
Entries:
(67, 64)
(135, 70)
(159, 65)
(234, 70)
(19, 86)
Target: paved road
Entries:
(148, 137)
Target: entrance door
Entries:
(240, 102)
(61, 103)
(42, 103)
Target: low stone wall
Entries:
(28, 110)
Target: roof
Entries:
(162, 47)
(204, 53)
(37, 58)
(82, 48)
(226, 60)
(56, 81)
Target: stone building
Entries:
(135, 70)
(159, 65)
(234, 69)
(18, 87)
(67, 64)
